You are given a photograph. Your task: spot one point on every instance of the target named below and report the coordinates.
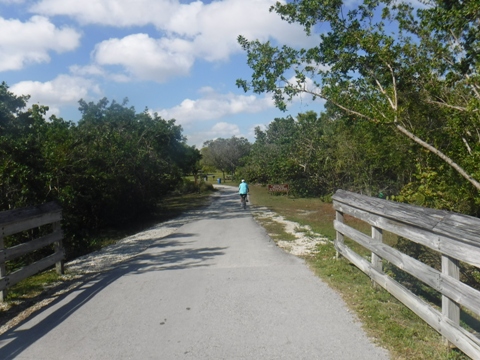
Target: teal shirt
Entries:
(243, 188)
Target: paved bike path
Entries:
(218, 288)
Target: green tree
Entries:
(190, 163)
(124, 162)
(22, 158)
(10, 106)
(226, 154)
(273, 155)
(111, 167)
(377, 62)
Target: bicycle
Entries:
(243, 200)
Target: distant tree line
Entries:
(225, 155)
(113, 166)
(316, 154)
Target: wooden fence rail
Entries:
(15, 221)
(455, 237)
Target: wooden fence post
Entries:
(339, 239)
(3, 270)
(450, 309)
(377, 236)
(59, 248)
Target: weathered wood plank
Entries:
(12, 216)
(3, 272)
(339, 235)
(22, 249)
(377, 236)
(456, 226)
(32, 269)
(443, 283)
(40, 220)
(60, 265)
(18, 220)
(450, 309)
(409, 214)
(461, 227)
(466, 252)
(469, 344)
(455, 236)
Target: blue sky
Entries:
(178, 58)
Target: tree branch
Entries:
(441, 103)
(407, 133)
(468, 146)
(320, 95)
(440, 154)
(394, 83)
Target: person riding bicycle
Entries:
(243, 191)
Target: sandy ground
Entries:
(305, 239)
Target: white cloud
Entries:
(218, 24)
(212, 105)
(64, 90)
(188, 31)
(223, 129)
(219, 130)
(145, 58)
(22, 43)
(89, 70)
(118, 13)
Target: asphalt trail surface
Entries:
(217, 288)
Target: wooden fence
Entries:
(15, 221)
(455, 237)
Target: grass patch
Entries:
(33, 286)
(313, 212)
(276, 231)
(389, 322)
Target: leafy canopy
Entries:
(384, 62)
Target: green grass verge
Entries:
(391, 324)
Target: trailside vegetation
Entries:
(225, 155)
(402, 93)
(317, 154)
(112, 167)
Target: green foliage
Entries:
(225, 154)
(440, 189)
(111, 167)
(411, 72)
(317, 155)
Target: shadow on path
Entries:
(170, 253)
